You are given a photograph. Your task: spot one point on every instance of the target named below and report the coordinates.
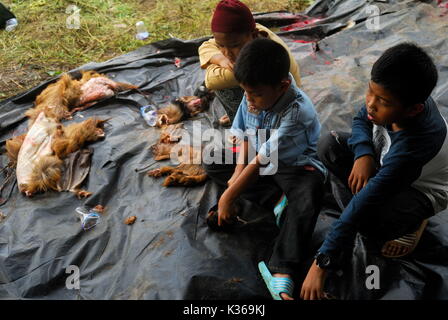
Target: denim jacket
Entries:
(297, 130)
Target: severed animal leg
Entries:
(13, 146)
(162, 171)
(76, 135)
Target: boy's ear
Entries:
(284, 84)
(415, 109)
(255, 33)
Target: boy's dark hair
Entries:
(407, 71)
(262, 62)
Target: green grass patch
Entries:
(43, 46)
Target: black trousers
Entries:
(5, 15)
(304, 190)
(230, 99)
(402, 213)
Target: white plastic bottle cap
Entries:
(11, 24)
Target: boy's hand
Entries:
(226, 211)
(363, 170)
(313, 285)
(222, 60)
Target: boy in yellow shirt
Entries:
(233, 26)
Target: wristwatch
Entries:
(323, 260)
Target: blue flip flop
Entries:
(279, 208)
(276, 285)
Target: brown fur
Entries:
(170, 114)
(13, 146)
(121, 86)
(48, 172)
(58, 101)
(61, 99)
(55, 99)
(187, 173)
(75, 135)
(168, 137)
(45, 176)
(183, 108)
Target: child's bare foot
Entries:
(284, 295)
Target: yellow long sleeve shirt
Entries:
(218, 78)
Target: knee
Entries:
(325, 148)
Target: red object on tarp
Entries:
(301, 24)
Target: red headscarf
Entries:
(232, 16)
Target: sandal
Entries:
(276, 285)
(279, 208)
(404, 245)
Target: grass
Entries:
(42, 46)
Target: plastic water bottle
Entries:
(149, 113)
(11, 24)
(89, 218)
(142, 33)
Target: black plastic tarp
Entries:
(170, 253)
(5, 15)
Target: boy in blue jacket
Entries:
(272, 102)
(395, 163)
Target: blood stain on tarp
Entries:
(158, 243)
(233, 281)
(301, 24)
(170, 234)
(444, 6)
(177, 62)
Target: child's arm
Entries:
(313, 285)
(398, 172)
(247, 177)
(219, 69)
(237, 130)
(241, 162)
(363, 169)
(401, 167)
(222, 61)
(362, 146)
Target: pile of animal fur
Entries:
(189, 172)
(50, 156)
(184, 107)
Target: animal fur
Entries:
(66, 96)
(184, 107)
(42, 162)
(42, 165)
(45, 176)
(76, 135)
(13, 146)
(169, 136)
(188, 173)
